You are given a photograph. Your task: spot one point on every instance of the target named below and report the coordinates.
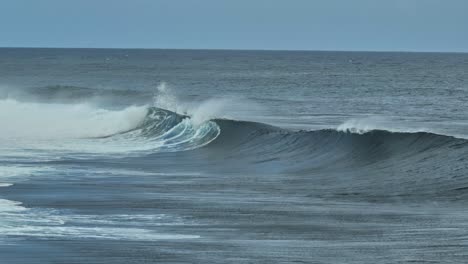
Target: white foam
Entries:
(137, 234)
(7, 206)
(366, 124)
(50, 131)
(21, 120)
(16, 220)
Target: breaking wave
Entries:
(89, 129)
(346, 159)
(32, 128)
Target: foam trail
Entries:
(17, 220)
(7, 206)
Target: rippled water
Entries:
(179, 156)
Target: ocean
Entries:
(223, 156)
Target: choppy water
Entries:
(178, 156)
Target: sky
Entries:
(370, 25)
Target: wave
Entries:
(262, 139)
(163, 130)
(371, 164)
(35, 129)
(347, 161)
(153, 128)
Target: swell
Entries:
(368, 165)
(259, 138)
(301, 150)
(328, 162)
(373, 165)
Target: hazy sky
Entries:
(412, 25)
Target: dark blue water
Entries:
(183, 156)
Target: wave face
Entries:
(262, 139)
(376, 163)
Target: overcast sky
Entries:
(390, 25)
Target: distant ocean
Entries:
(217, 156)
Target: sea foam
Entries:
(45, 121)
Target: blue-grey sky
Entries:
(393, 25)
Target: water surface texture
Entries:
(183, 156)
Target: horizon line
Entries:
(234, 49)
